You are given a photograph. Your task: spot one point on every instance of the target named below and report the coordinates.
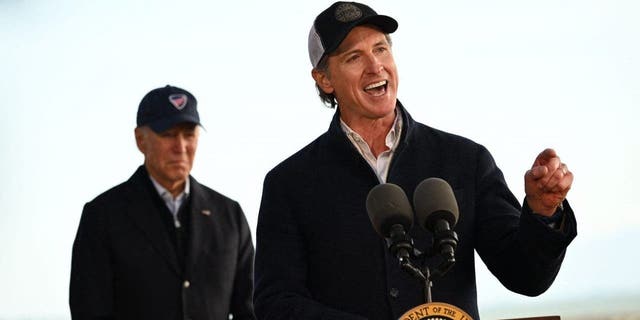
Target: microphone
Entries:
(437, 211)
(391, 216)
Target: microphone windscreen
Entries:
(433, 200)
(387, 205)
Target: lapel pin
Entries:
(206, 212)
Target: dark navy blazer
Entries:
(318, 256)
(125, 264)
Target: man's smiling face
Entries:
(362, 75)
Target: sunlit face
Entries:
(168, 156)
(362, 75)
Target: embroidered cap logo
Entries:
(347, 12)
(179, 100)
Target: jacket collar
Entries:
(201, 214)
(143, 211)
(337, 135)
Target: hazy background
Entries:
(515, 76)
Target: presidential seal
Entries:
(435, 311)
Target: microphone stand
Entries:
(425, 276)
(407, 266)
(401, 244)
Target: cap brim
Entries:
(386, 24)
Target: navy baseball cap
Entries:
(165, 107)
(334, 24)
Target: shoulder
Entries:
(101, 211)
(303, 160)
(205, 198)
(428, 136)
(422, 132)
(116, 198)
(457, 146)
(202, 191)
(112, 196)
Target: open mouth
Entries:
(377, 88)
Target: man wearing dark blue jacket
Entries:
(318, 256)
(162, 246)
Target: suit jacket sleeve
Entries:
(91, 292)
(522, 251)
(242, 300)
(281, 291)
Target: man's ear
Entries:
(322, 80)
(140, 135)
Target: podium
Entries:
(537, 318)
(445, 311)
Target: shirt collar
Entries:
(392, 138)
(163, 192)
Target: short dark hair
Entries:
(329, 99)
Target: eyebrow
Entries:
(382, 42)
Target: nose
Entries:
(374, 65)
(180, 143)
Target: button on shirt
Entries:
(380, 165)
(172, 203)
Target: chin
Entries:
(179, 174)
(385, 109)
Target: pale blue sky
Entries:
(515, 76)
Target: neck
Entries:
(373, 131)
(172, 186)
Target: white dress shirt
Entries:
(380, 165)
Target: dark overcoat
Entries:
(318, 257)
(125, 264)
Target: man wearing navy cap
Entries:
(318, 256)
(161, 245)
